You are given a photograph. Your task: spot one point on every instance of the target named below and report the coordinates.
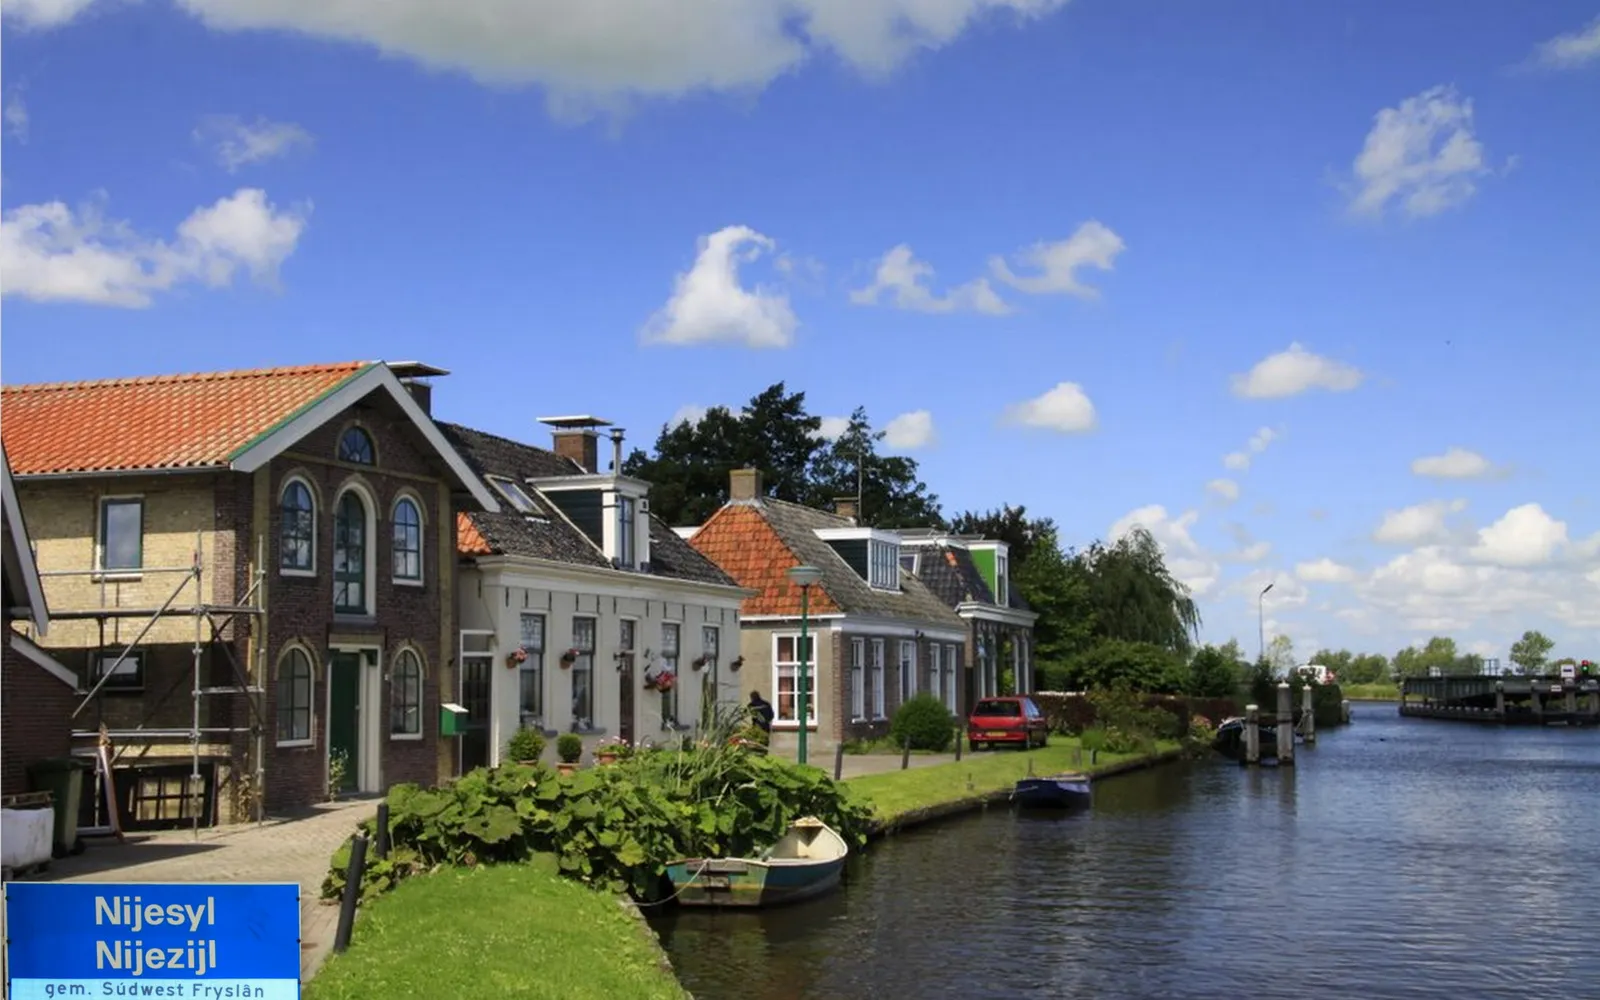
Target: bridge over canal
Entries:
(1513, 700)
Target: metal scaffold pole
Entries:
(199, 653)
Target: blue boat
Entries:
(1053, 791)
(806, 861)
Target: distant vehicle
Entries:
(1315, 672)
(1012, 719)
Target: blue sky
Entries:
(1085, 251)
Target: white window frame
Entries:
(908, 670)
(1002, 577)
(936, 670)
(712, 653)
(311, 569)
(400, 658)
(878, 695)
(883, 564)
(584, 664)
(515, 495)
(671, 657)
(533, 664)
(100, 530)
(133, 664)
(422, 543)
(858, 680)
(952, 666)
(781, 667)
(627, 531)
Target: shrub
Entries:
(569, 747)
(923, 723)
(525, 745)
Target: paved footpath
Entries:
(278, 850)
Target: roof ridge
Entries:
(513, 442)
(190, 377)
(808, 509)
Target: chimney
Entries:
(414, 376)
(616, 451)
(846, 507)
(577, 438)
(422, 392)
(745, 484)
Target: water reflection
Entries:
(1396, 859)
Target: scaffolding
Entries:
(220, 619)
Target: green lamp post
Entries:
(805, 577)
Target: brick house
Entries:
(574, 600)
(37, 694)
(266, 557)
(972, 575)
(880, 635)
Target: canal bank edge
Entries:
(642, 925)
(923, 815)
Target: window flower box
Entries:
(569, 657)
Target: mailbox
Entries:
(452, 719)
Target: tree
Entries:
(1354, 668)
(1057, 589)
(1214, 672)
(1142, 666)
(1136, 598)
(1280, 655)
(1532, 652)
(1439, 654)
(891, 494)
(1011, 525)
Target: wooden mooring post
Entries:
(1252, 734)
(1308, 715)
(1285, 725)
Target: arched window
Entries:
(298, 530)
(350, 554)
(407, 541)
(294, 696)
(355, 446)
(405, 695)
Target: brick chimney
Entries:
(846, 507)
(577, 438)
(745, 484)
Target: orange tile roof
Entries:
(158, 422)
(739, 539)
(469, 540)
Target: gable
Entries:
(739, 540)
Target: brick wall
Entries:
(406, 615)
(34, 711)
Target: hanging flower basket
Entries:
(662, 681)
(516, 658)
(699, 661)
(736, 663)
(569, 657)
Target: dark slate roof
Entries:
(797, 525)
(553, 536)
(950, 573)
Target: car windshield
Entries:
(997, 708)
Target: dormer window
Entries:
(883, 562)
(627, 518)
(355, 446)
(1002, 579)
(908, 562)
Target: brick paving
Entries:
(279, 850)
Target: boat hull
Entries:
(1063, 792)
(806, 862)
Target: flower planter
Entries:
(605, 758)
(565, 767)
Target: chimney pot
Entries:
(616, 450)
(745, 484)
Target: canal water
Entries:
(1399, 859)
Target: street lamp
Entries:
(1261, 623)
(806, 577)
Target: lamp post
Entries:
(1261, 623)
(806, 577)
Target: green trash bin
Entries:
(62, 777)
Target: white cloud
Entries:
(598, 53)
(1092, 245)
(238, 143)
(1423, 522)
(688, 413)
(44, 13)
(910, 430)
(1291, 372)
(1225, 489)
(16, 116)
(1325, 570)
(1254, 552)
(1184, 557)
(1422, 154)
(1524, 536)
(1287, 592)
(1455, 463)
(709, 305)
(1239, 461)
(49, 253)
(907, 279)
(1065, 408)
(833, 427)
(1574, 49)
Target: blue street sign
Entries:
(133, 939)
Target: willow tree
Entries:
(1136, 598)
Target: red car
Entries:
(1012, 719)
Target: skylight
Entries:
(514, 495)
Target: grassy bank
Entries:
(509, 930)
(893, 795)
(1372, 692)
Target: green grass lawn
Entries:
(892, 794)
(496, 931)
(1371, 692)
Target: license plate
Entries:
(996, 732)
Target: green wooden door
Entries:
(344, 716)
